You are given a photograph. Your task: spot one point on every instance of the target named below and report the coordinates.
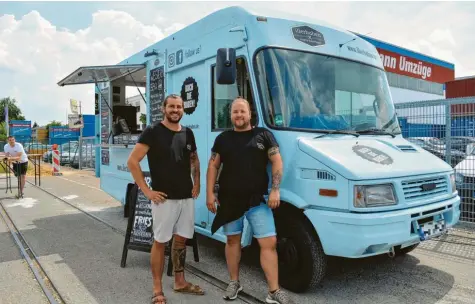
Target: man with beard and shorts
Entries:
(244, 153)
(172, 156)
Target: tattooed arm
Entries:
(195, 169)
(277, 168)
(211, 177)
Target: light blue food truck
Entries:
(352, 185)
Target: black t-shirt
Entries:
(244, 159)
(169, 159)
(244, 179)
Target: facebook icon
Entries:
(179, 57)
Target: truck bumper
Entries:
(354, 235)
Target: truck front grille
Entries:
(424, 188)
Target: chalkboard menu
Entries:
(142, 232)
(105, 115)
(157, 93)
(139, 234)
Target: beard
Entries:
(240, 124)
(170, 117)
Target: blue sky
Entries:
(74, 15)
(64, 35)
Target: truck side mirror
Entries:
(226, 66)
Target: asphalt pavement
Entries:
(88, 253)
(81, 255)
(17, 282)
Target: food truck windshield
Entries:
(303, 90)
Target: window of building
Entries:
(223, 96)
(415, 84)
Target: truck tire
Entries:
(302, 261)
(405, 250)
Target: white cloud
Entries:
(35, 55)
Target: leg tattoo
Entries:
(178, 256)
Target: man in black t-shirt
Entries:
(241, 157)
(172, 156)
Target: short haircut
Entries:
(10, 136)
(172, 96)
(240, 98)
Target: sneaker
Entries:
(232, 291)
(278, 297)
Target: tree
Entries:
(143, 118)
(35, 125)
(14, 112)
(53, 123)
(224, 117)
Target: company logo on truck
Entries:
(372, 155)
(308, 35)
(189, 94)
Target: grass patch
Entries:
(45, 170)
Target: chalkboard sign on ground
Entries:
(139, 234)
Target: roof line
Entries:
(414, 54)
(463, 78)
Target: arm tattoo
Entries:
(276, 179)
(213, 156)
(273, 151)
(193, 156)
(195, 166)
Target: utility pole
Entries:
(80, 135)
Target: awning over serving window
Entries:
(95, 74)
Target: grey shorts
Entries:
(173, 217)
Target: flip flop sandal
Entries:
(190, 289)
(156, 300)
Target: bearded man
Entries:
(172, 156)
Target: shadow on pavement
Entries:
(83, 258)
(379, 279)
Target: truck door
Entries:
(191, 83)
(221, 99)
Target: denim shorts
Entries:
(261, 221)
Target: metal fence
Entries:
(446, 128)
(70, 153)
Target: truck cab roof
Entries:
(275, 29)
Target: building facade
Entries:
(413, 76)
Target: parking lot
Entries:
(83, 256)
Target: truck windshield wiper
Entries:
(376, 132)
(336, 132)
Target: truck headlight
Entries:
(374, 196)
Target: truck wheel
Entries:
(302, 261)
(405, 250)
